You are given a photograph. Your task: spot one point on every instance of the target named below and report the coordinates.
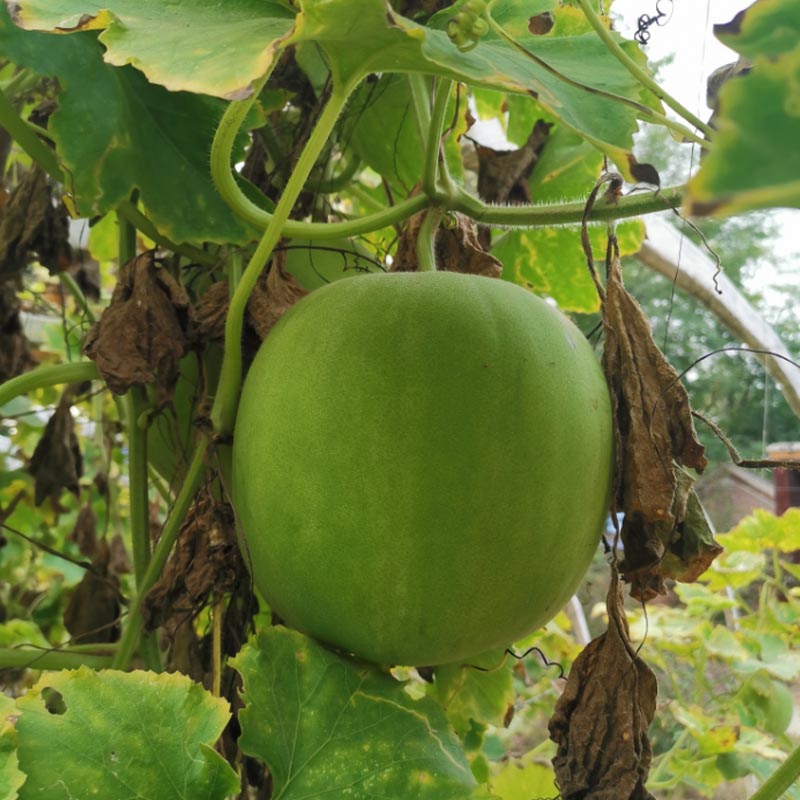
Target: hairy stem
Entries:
(134, 623)
(638, 72)
(633, 205)
(223, 412)
(51, 375)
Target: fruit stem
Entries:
(223, 413)
(133, 627)
(426, 240)
(638, 72)
(782, 779)
(50, 375)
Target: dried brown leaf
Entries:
(503, 174)
(458, 248)
(601, 720)
(140, 337)
(92, 613)
(16, 355)
(210, 311)
(84, 532)
(652, 411)
(272, 296)
(32, 222)
(206, 562)
(56, 463)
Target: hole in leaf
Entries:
(53, 701)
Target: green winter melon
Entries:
(421, 465)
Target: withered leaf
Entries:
(141, 336)
(16, 355)
(32, 222)
(655, 551)
(458, 248)
(503, 175)
(210, 311)
(92, 613)
(84, 532)
(206, 561)
(652, 411)
(272, 296)
(601, 720)
(56, 463)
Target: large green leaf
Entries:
(116, 132)
(551, 261)
(574, 76)
(194, 46)
(111, 735)
(755, 162)
(330, 727)
(10, 776)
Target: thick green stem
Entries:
(27, 139)
(633, 205)
(426, 240)
(223, 412)
(135, 408)
(51, 375)
(782, 779)
(433, 150)
(421, 100)
(133, 624)
(31, 658)
(638, 73)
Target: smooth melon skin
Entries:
(421, 465)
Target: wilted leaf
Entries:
(503, 174)
(458, 248)
(651, 407)
(140, 337)
(601, 720)
(15, 352)
(206, 561)
(112, 735)
(30, 222)
(328, 725)
(84, 532)
(56, 463)
(273, 295)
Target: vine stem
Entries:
(638, 72)
(133, 627)
(782, 779)
(31, 658)
(27, 138)
(223, 412)
(50, 375)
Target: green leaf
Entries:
(193, 46)
(10, 776)
(755, 162)
(551, 261)
(328, 726)
(111, 735)
(482, 690)
(524, 779)
(115, 132)
(762, 530)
